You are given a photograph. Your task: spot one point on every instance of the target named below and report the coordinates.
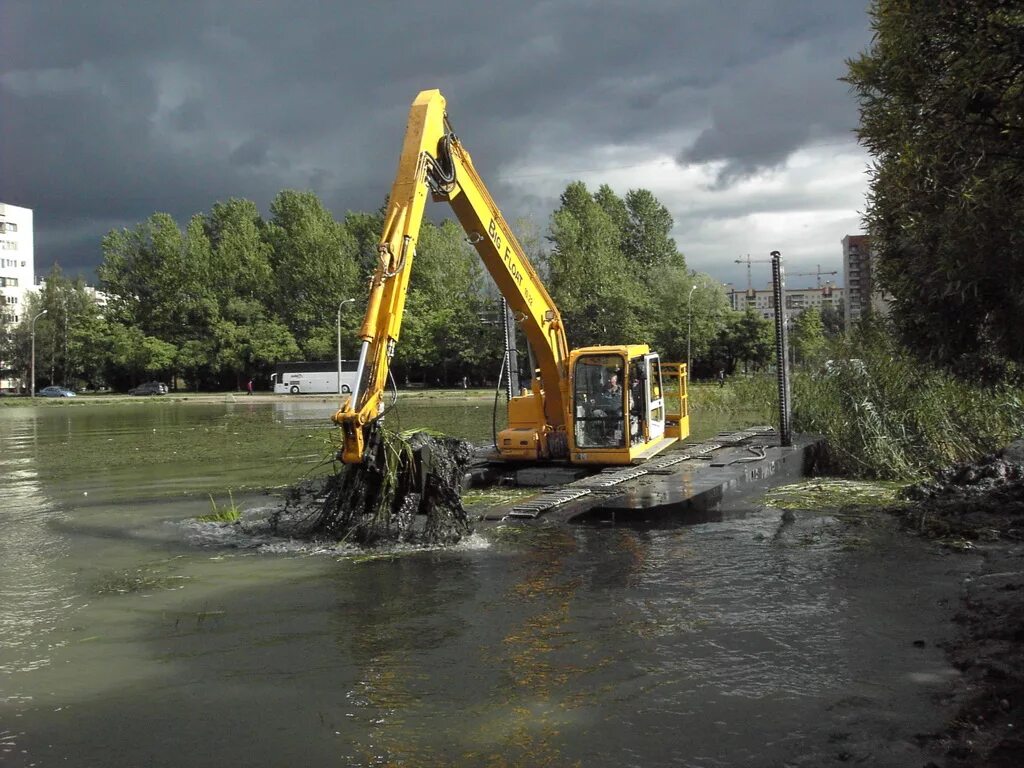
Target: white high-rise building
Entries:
(17, 270)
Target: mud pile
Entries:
(980, 506)
(981, 500)
(408, 493)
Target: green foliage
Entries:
(832, 322)
(449, 328)
(232, 293)
(222, 513)
(756, 394)
(685, 307)
(808, 336)
(65, 336)
(314, 263)
(614, 267)
(145, 274)
(886, 415)
(365, 228)
(647, 242)
(941, 93)
(744, 340)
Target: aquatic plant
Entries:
(833, 493)
(224, 513)
(406, 475)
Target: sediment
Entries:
(980, 507)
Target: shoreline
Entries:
(17, 401)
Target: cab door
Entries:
(654, 399)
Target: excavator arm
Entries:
(434, 161)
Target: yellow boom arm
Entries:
(434, 161)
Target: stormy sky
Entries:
(730, 111)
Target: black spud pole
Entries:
(781, 349)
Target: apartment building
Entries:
(17, 268)
(856, 277)
(762, 301)
(863, 294)
(17, 261)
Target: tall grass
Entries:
(897, 418)
(222, 513)
(757, 393)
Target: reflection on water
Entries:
(128, 637)
(33, 595)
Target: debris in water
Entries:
(407, 493)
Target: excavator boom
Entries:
(593, 405)
(433, 161)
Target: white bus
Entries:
(313, 378)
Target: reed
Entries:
(892, 417)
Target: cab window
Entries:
(599, 399)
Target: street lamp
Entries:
(689, 327)
(342, 303)
(32, 380)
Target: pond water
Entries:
(129, 639)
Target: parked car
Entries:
(149, 388)
(55, 392)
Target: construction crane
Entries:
(750, 283)
(748, 261)
(817, 272)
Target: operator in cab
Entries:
(612, 388)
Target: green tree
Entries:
(941, 92)
(132, 355)
(615, 207)
(444, 336)
(147, 276)
(744, 338)
(366, 229)
(315, 265)
(647, 242)
(590, 280)
(246, 341)
(832, 322)
(808, 336)
(239, 256)
(690, 307)
(68, 336)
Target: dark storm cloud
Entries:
(112, 110)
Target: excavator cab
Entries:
(618, 405)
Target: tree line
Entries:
(941, 94)
(225, 298)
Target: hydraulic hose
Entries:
(494, 410)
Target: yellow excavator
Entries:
(609, 405)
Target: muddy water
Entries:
(129, 636)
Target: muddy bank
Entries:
(980, 507)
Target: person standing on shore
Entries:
(249, 387)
